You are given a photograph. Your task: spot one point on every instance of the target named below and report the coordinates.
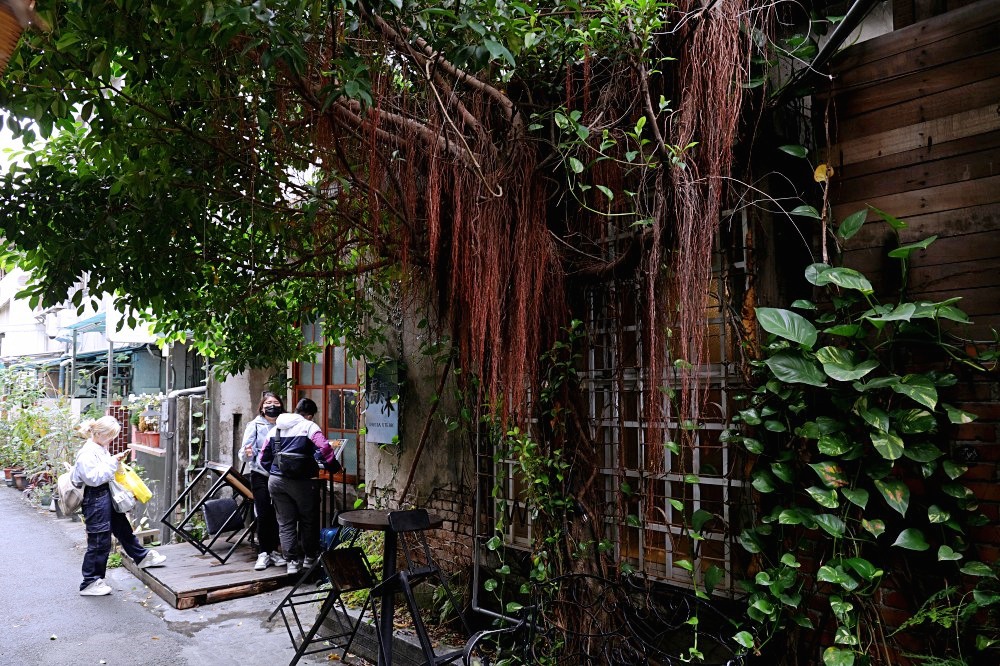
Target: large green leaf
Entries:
(902, 312)
(946, 554)
(888, 444)
(852, 224)
(858, 496)
(788, 325)
(826, 497)
(847, 278)
(830, 524)
(793, 367)
(830, 473)
(904, 251)
(896, 494)
(914, 421)
(911, 539)
(835, 656)
(918, 388)
(958, 416)
(923, 452)
(842, 365)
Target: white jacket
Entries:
(94, 466)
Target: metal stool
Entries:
(239, 517)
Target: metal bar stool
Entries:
(411, 528)
(238, 524)
(347, 570)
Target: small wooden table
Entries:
(378, 521)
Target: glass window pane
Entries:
(337, 375)
(334, 411)
(350, 409)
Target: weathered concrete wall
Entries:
(233, 405)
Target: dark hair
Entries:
(264, 396)
(306, 407)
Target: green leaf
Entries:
(888, 444)
(893, 222)
(830, 524)
(826, 497)
(918, 388)
(788, 559)
(794, 150)
(873, 416)
(911, 539)
(914, 421)
(806, 211)
(864, 568)
(954, 469)
(852, 224)
(840, 364)
(978, 569)
(957, 416)
(896, 494)
(856, 496)
(783, 471)
(576, 165)
(498, 51)
(904, 251)
(835, 444)
(946, 554)
(874, 527)
(830, 474)
(763, 482)
(936, 514)
(788, 325)
(845, 330)
(902, 312)
(923, 452)
(745, 639)
(803, 304)
(792, 367)
(847, 278)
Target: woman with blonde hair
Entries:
(95, 467)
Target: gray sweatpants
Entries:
(296, 503)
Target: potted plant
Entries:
(144, 414)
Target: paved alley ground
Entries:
(43, 620)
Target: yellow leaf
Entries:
(823, 173)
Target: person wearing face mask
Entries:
(268, 546)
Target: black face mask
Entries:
(272, 410)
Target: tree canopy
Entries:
(239, 169)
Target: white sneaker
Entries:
(263, 562)
(293, 567)
(152, 559)
(96, 589)
(308, 562)
(277, 559)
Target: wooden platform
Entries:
(190, 579)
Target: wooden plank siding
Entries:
(916, 127)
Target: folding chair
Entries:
(239, 524)
(347, 570)
(411, 530)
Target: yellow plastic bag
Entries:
(128, 478)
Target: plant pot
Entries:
(150, 439)
(45, 500)
(20, 480)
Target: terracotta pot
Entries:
(20, 480)
(150, 439)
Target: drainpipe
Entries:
(852, 19)
(168, 432)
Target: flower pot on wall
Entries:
(151, 439)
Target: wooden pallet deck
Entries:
(191, 579)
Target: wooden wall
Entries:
(917, 131)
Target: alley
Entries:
(44, 621)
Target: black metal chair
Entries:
(236, 522)
(411, 528)
(347, 570)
